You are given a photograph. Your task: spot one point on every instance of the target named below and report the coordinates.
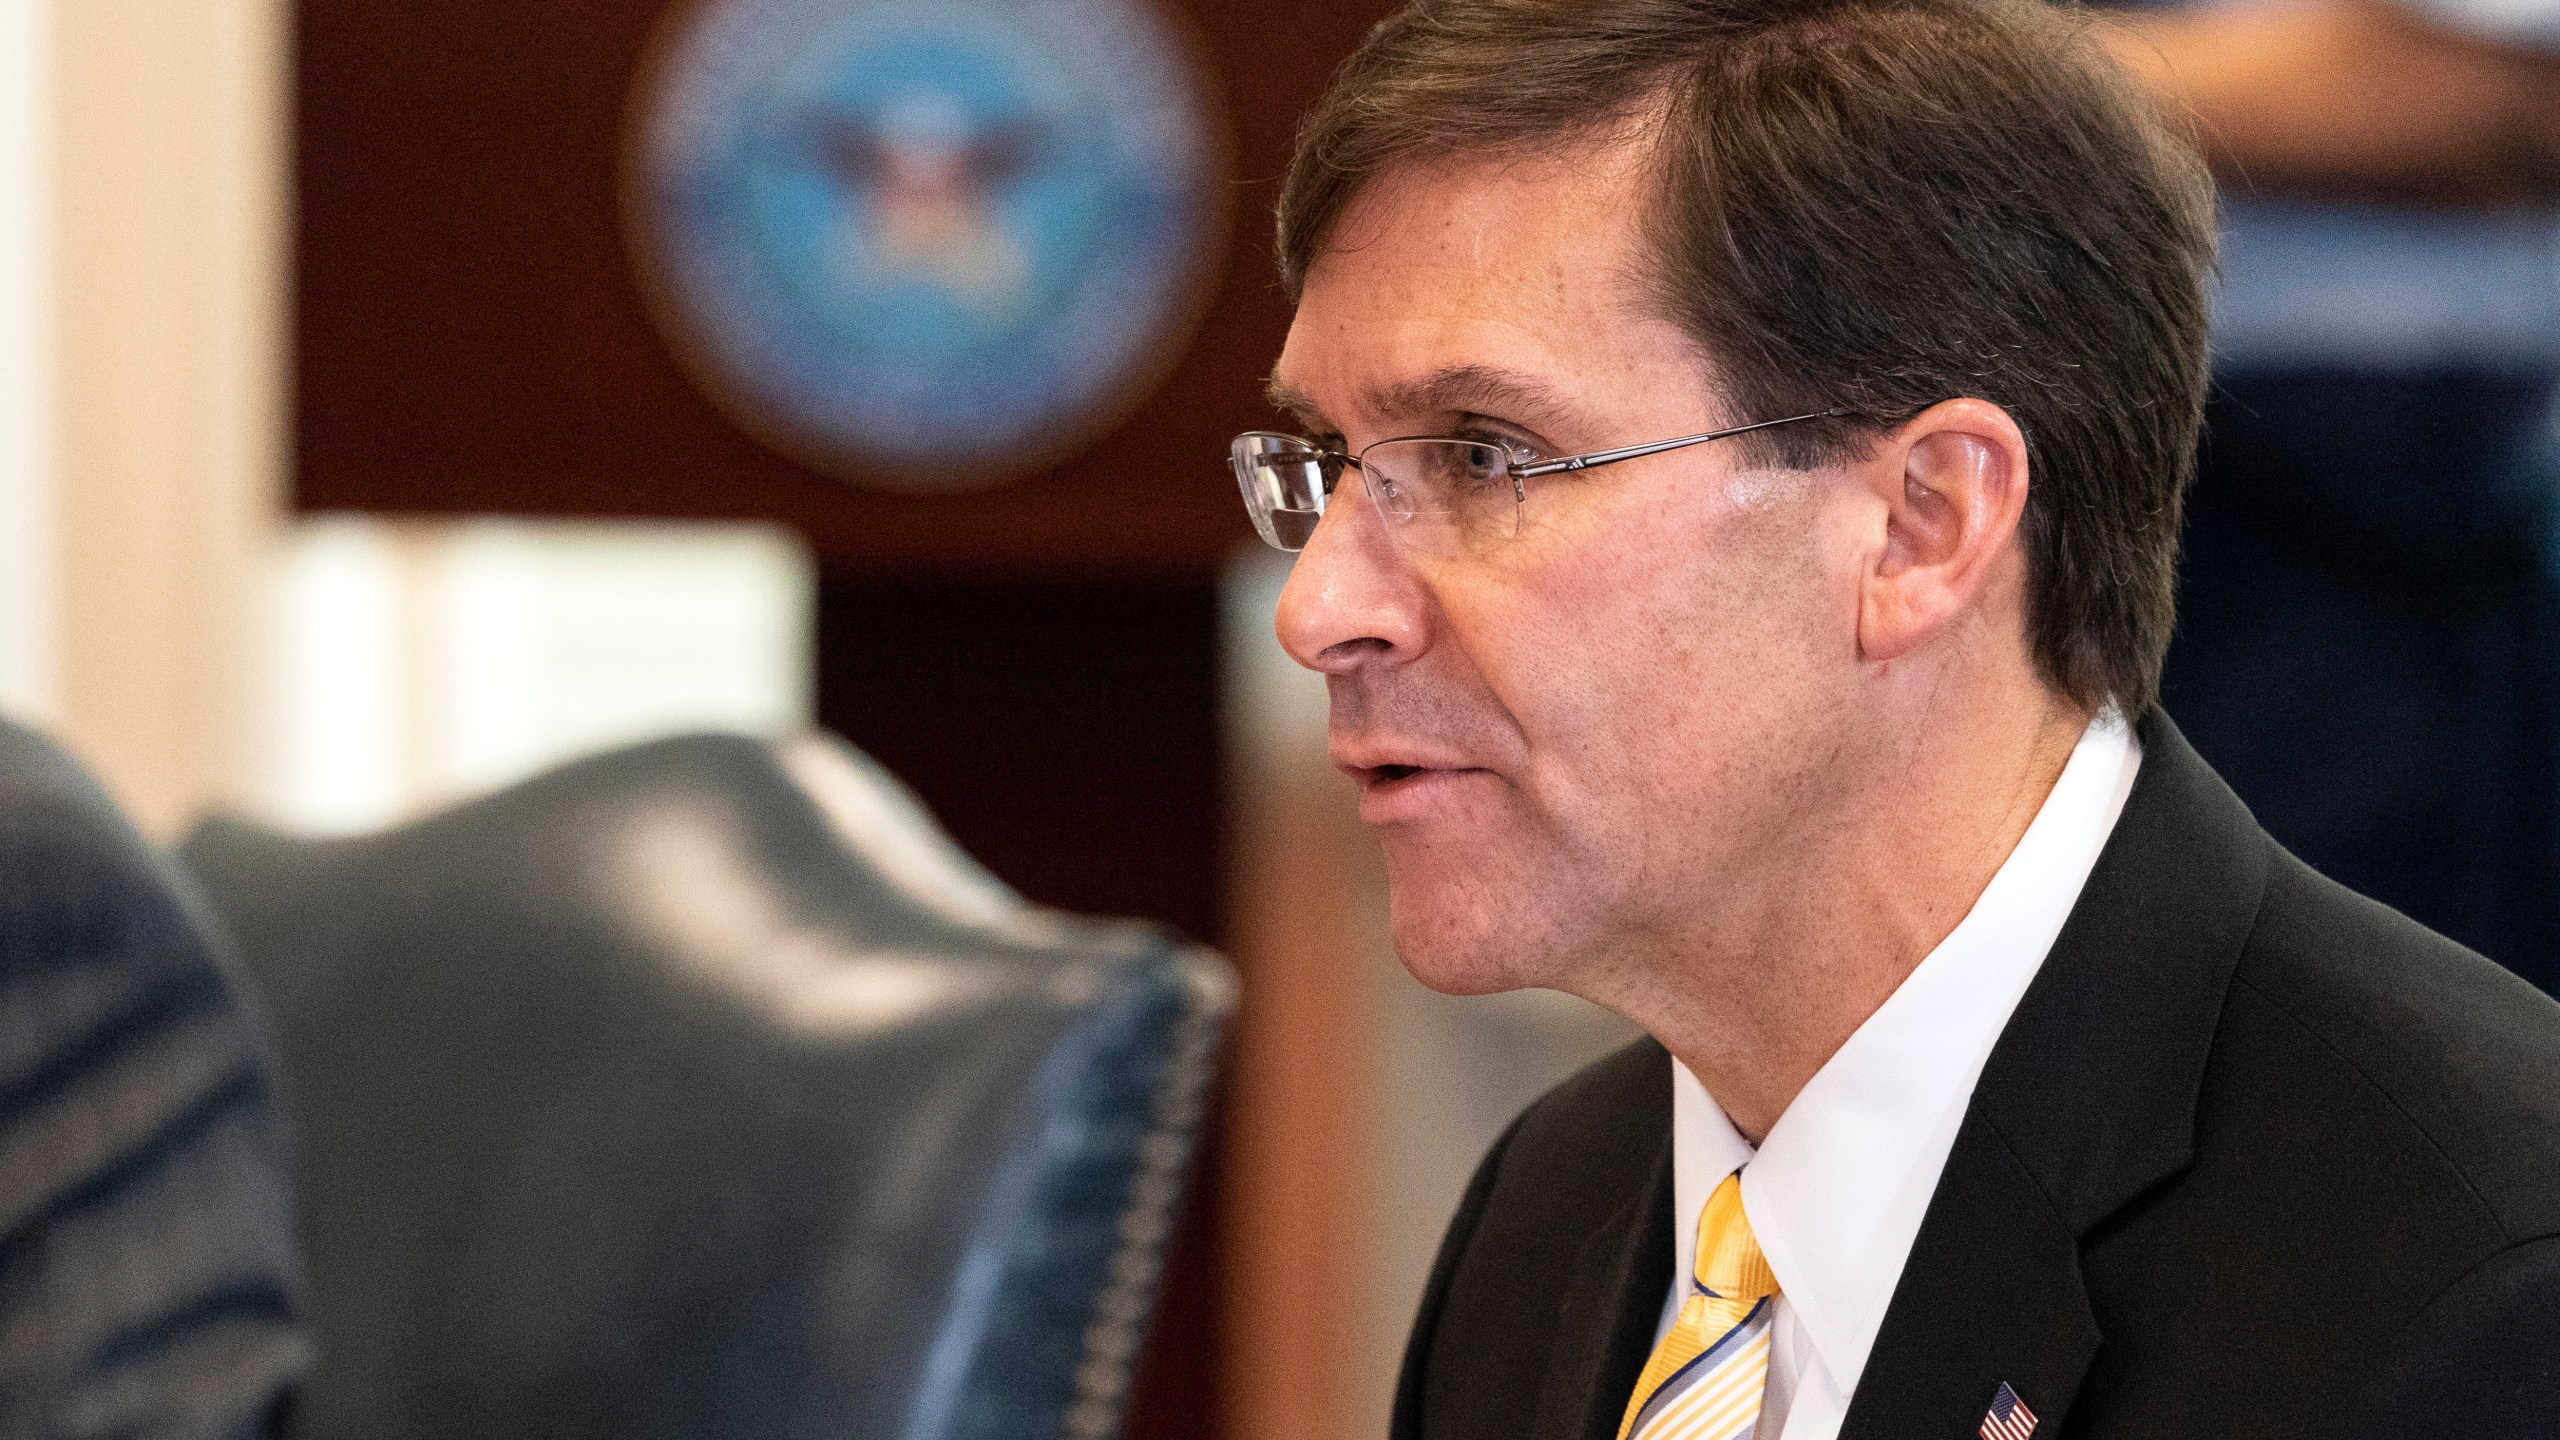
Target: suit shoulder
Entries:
(1579, 1152)
(1615, 1110)
(2480, 1351)
(2463, 1052)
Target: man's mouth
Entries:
(1414, 770)
(1397, 792)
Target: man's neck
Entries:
(1775, 982)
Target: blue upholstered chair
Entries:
(704, 1089)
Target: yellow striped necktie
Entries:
(1705, 1378)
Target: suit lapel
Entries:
(1606, 1318)
(2087, 1101)
(1991, 1294)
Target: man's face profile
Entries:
(1565, 742)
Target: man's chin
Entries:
(1456, 979)
(1462, 954)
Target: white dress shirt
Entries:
(1836, 1191)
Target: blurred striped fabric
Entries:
(146, 1244)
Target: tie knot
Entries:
(1730, 1264)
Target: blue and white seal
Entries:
(922, 242)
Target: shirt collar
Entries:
(1837, 1189)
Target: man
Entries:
(2006, 1079)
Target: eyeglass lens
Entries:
(1441, 496)
(1285, 484)
(1444, 496)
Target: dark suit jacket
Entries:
(2254, 1157)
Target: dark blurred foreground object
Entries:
(704, 1089)
(2369, 631)
(146, 1231)
(2369, 642)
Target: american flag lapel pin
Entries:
(2009, 1418)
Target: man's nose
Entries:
(1350, 599)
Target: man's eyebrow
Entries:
(1287, 398)
(1456, 389)
(1478, 390)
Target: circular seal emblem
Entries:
(922, 243)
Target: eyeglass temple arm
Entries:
(1274, 462)
(1572, 463)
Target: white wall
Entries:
(26, 369)
(410, 663)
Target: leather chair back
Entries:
(705, 1089)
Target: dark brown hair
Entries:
(1867, 206)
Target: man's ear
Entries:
(1954, 482)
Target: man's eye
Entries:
(1507, 448)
